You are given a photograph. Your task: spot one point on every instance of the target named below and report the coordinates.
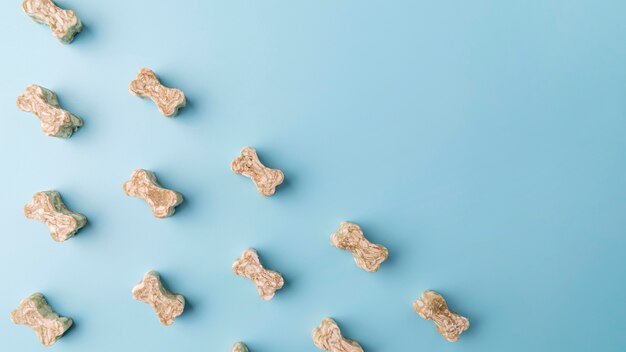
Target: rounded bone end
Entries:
(239, 347)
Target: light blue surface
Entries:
(483, 142)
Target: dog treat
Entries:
(167, 305)
(44, 104)
(35, 312)
(433, 307)
(48, 208)
(266, 281)
(147, 85)
(328, 337)
(368, 256)
(143, 184)
(63, 23)
(249, 165)
(240, 347)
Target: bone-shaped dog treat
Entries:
(63, 23)
(143, 184)
(44, 104)
(249, 165)
(48, 208)
(368, 256)
(328, 337)
(240, 347)
(167, 305)
(433, 307)
(147, 85)
(35, 312)
(266, 281)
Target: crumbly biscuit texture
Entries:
(64, 24)
(368, 256)
(432, 306)
(328, 337)
(48, 208)
(35, 312)
(249, 165)
(143, 184)
(266, 281)
(166, 304)
(167, 100)
(44, 104)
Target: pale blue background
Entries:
(483, 142)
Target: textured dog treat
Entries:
(35, 312)
(147, 85)
(368, 256)
(44, 104)
(63, 23)
(433, 307)
(166, 304)
(240, 347)
(48, 208)
(266, 281)
(143, 184)
(328, 337)
(249, 165)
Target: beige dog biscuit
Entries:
(433, 307)
(249, 165)
(63, 23)
(35, 312)
(167, 305)
(240, 347)
(368, 256)
(328, 337)
(143, 184)
(267, 281)
(48, 208)
(44, 104)
(147, 85)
